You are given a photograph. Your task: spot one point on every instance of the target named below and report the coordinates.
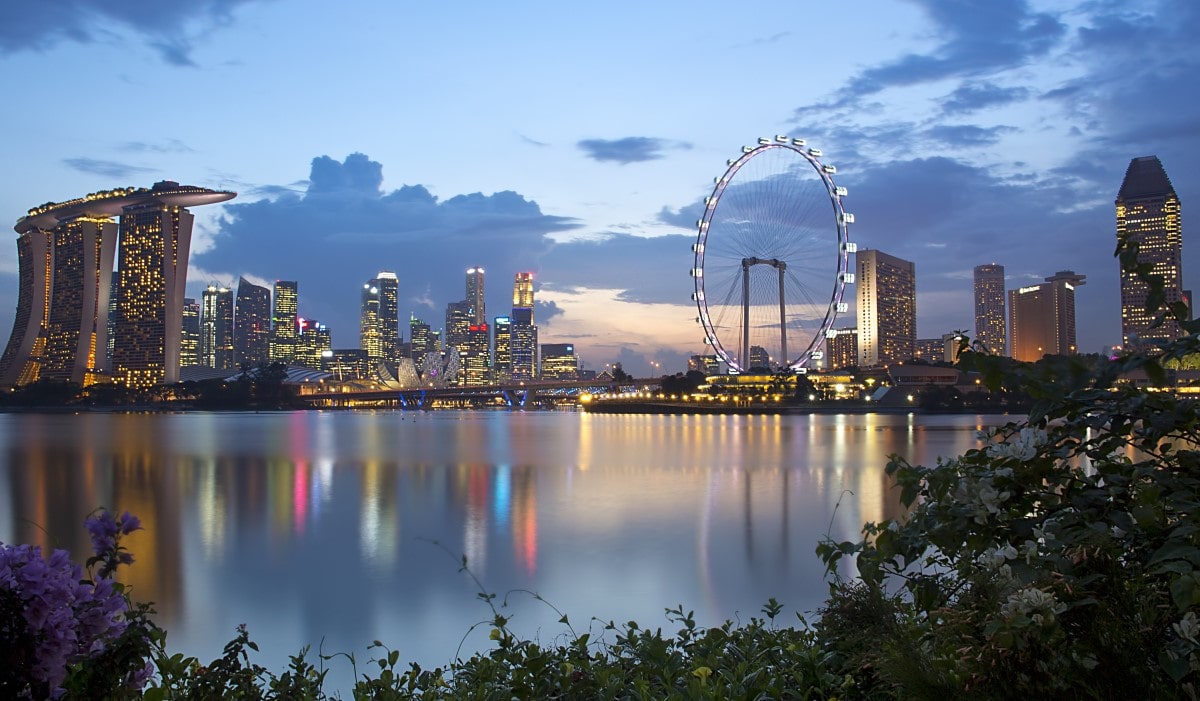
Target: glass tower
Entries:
(370, 328)
(989, 308)
(389, 314)
(283, 322)
(216, 328)
(1148, 214)
(252, 324)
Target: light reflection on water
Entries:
(348, 527)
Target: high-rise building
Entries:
(283, 321)
(1148, 215)
(707, 364)
(370, 328)
(1041, 318)
(77, 333)
(841, 351)
(189, 341)
(313, 344)
(420, 341)
(458, 322)
(524, 341)
(475, 296)
(887, 308)
(559, 361)
(989, 308)
(502, 350)
(760, 359)
(252, 324)
(389, 314)
(477, 369)
(216, 328)
(140, 313)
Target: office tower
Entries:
(252, 324)
(313, 343)
(760, 359)
(989, 308)
(458, 322)
(1148, 214)
(887, 308)
(707, 364)
(283, 322)
(841, 351)
(189, 340)
(559, 362)
(1041, 318)
(475, 296)
(21, 363)
(502, 350)
(524, 332)
(420, 341)
(389, 314)
(216, 328)
(370, 329)
(476, 367)
(348, 364)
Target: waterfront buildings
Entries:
(1148, 214)
(559, 362)
(887, 308)
(989, 308)
(370, 330)
(841, 351)
(1041, 318)
(216, 328)
(69, 299)
(389, 315)
(283, 321)
(524, 341)
(475, 296)
(251, 324)
(189, 341)
(502, 350)
(421, 341)
(476, 363)
(313, 344)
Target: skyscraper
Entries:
(216, 328)
(887, 308)
(523, 290)
(420, 340)
(989, 308)
(1041, 318)
(458, 322)
(502, 350)
(476, 363)
(283, 322)
(313, 343)
(370, 329)
(189, 348)
(1148, 214)
(389, 315)
(66, 252)
(252, 324)
(559, 361)
(475, 296)
(841, 350)
(524, 342)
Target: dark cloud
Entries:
(972, 97)
(168, 27)
(109, 169)
(966, 135)
(631, 149)
(545, 311)
(344, 228)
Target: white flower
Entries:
(1023, 446)
(1187, 628)
(993, 558)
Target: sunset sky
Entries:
(578, 141)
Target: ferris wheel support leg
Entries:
(783, 351)
(744, 360)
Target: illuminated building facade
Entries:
(476, 366)
(524, 342)
(502, 350)
(64, 315)
(284, 308)
(841, 351)
(458, 322)
(189, 341)
(989, 308)
(887, 308)
(475, 296)
(559, 361)
(760, 359)
(421, 341)
(252, 324)
(370, 328)
(22, 359)
(389, 315)
(1148, 214)
(313, 344)
(216, 328)
(1041, 318)
(707, 364)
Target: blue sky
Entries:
(577, 142)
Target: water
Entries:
(338, 528)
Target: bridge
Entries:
(541, 394)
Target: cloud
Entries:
(966, 135)
(545, 311)
(109, 169)
(344, 228)
(631, 149)
(972, 97)
(38, 26)
(168, 146)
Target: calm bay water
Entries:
(337, 528)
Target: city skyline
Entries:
(965, 135)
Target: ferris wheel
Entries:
(772, 258)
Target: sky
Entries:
(578, 142)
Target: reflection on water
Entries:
(347, 527)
